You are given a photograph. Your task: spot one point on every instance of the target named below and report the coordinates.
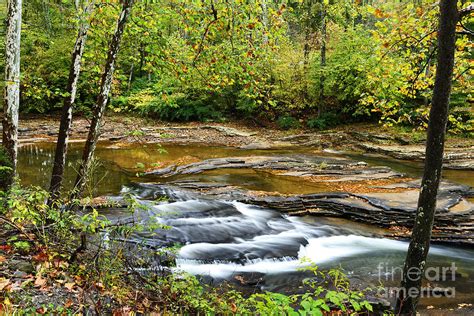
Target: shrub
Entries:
(5, 169)
(345, 79)
(288, 122)
(170, 100)
(324, 121)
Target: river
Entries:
(228, 240)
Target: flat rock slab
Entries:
(338, 169)
(230, 131)
(455, 158)
(445, 185)
(459, 156)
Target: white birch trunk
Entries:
(12, 81)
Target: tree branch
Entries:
(466, 11)
(18, 228)
(206, 31)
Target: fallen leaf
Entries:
(46, 265)
(233, 307)
(2, 259)
(124, 311)
(60, 264)
(6, 302)
(6, 248)
(68, 303)
(41, 257)
(69, 285)
(15, 287)
(27, 281)
(4, 283)
(39, 282)
(99, 285)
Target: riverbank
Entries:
(364, 138)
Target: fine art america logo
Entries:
(431, 274)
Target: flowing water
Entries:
(262, 248)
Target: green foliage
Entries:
(345, 78)
(136, 133)
(5, 169)
(46, 46)
(21, 246)
(401, 84)
(184, 294)
(27, 207)
(200, 60)
(324, 121)
(169, 99)
(288, 122)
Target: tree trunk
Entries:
(323, 59)
(308, 29)
(12, 83)
(130, 78)
(264, 21)
(66, 116)
(102, 99)
(306, 49)
(421, 235)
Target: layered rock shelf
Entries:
(458, 156)
(339, 169)
(454, 221)
(391, 204)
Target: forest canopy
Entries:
(308, 62)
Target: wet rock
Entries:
(249, 279)
(192, 184)
(379, 138)
(339, 169)
(257, 145)
(454, 158)
(457, 156)
(163, 171)
(24, 129)
(20, 274)
(229, 131)
(21, 266)
(388, 205)
(116, 138)
(454, 220)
